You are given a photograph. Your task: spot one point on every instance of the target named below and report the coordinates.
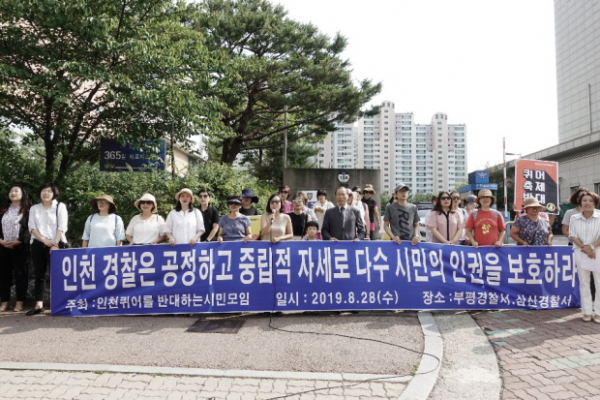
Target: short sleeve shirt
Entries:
(487, 228)
(234, 229)
(533, 232)
(402, 219)
(210, 216)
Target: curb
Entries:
(250, 374)
(421, 385)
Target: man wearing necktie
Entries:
(342, 222)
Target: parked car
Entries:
(422, 229)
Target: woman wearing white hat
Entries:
(146, 228)
(105, 228)
(184, 223)
(531, 229)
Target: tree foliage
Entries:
(267, 165)
(74, 71)
(277, 65)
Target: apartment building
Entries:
(427, 157)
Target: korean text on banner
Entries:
(303, 276)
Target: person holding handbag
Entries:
(48, 223)
(185, 223)
(14, 247)
(531, 229)
(105, 228)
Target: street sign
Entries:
(118, 157)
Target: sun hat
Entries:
(184, 190)
(247, 193)
(486, 193)
(146, 197)
(400, 187)
(369, 188)
(108, 198)
(233, 200)
(532, 202)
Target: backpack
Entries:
(495, 213)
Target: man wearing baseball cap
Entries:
(401, 218)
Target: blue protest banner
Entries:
(308, 276)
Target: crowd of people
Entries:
(35, 231)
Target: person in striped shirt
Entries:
(584, 232)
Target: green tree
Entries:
(18, 164)
(267, 165)
(75, 71)
(278, 67)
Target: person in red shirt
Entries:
(485, 226)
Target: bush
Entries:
(126, 187)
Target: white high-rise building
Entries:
(428, 158)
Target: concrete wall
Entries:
(580, 170)
(314, 179)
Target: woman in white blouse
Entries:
(105, 228)
(48, 222)
(147, 227)
(184, 223)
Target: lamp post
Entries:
(504, 154)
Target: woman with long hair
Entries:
(185, 223)
(275, 225)
(14, 247)
(48, 223)
(445, 222)
(146, 227)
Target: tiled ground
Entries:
(544, 354)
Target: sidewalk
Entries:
(46, 357)
(545, 354)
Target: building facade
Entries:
(577, 30)
(428, 158)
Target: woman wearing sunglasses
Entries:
(210, 215)
(275, 225)
(146, 228)
(234, 225)
(446, 224)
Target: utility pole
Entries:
(285, 137)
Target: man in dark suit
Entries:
(342, 222)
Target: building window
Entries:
(574, 189)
